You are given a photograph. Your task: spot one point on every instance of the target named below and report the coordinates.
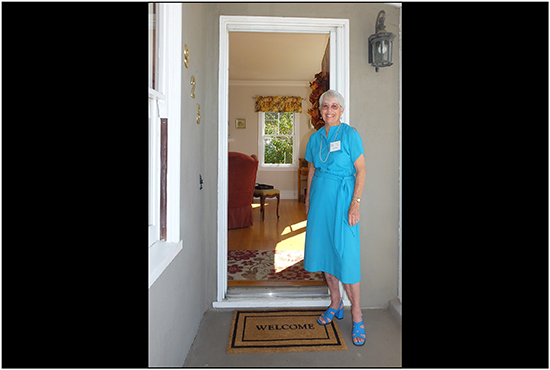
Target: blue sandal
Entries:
(330, 312)
(357, 331)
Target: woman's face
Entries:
(331, 111)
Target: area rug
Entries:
(269, 265)
(282, 331)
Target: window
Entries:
(154, 158)
(153, 53)
(277, 139)
(157, 102)
(165, 63)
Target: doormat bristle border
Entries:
(282, 330)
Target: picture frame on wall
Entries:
(240, 123)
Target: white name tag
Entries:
(335, 146)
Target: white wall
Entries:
(241, 105)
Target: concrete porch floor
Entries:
(382, 347)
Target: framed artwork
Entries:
(240, 123)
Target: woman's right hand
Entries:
(307, 206)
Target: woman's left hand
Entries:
(353, 213)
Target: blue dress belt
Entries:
(342, 207)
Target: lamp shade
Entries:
(380, 49)
(381, 44)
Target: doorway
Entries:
(338, 31)
(269, 252)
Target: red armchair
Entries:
(242, 179)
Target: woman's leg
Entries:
(334, 289)
(353, 292)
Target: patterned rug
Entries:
(269, 265)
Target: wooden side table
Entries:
(267, 193)
(303, 171)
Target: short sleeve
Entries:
(355, 145)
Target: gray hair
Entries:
(331, 94)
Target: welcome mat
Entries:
(269, 265)
(282, 331)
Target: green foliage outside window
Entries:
(278, 137)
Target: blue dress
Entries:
(332, 245)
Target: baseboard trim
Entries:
(288, 194)
(395, 309)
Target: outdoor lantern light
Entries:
(380, 44)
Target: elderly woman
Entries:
(334, 186)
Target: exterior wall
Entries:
(187, 288)
(177, 300)
(374, 111)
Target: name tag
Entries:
(335, 146)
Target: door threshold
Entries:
(251, 292)
(272, 302)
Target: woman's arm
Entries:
(310, 174)
(353, 213)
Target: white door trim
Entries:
(339, 80)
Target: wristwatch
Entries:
(358, 200)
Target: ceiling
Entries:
(260, 56)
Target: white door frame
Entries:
(338, 29)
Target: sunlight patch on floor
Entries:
(296, 242)
(295, 227)
(293, 243)
(287, 230)
(286, 259)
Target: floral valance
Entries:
(279, 104)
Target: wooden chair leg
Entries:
(262, 201)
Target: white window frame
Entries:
(165, 102)
(261, 145)
(156, 99)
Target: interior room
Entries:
(272, 64)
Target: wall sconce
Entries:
(381, 44)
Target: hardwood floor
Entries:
(286, 233)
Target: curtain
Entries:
(279, 104)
